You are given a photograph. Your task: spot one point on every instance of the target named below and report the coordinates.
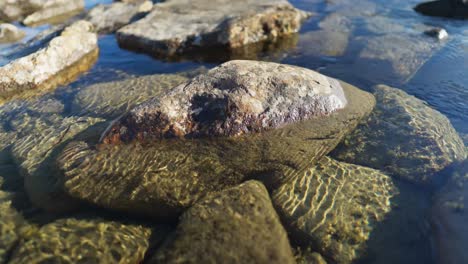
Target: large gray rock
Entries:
(161, 177)
(404, 137)
(180, 26)
(82, 240)
(54, 11)
(237, 225)
(10, 33)
(115, 98)
(449, 218)
(64, 58)
(37, 10)
(333, 207)
(111, 17)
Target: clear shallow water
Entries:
(436, 75)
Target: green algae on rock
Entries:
(333, 206)
(161, 178)
(237, 225)
(77, 240)
(114, 98)
(404, 137)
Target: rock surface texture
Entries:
(10, 33)
(54, 11)
(176, 162)
(238, 225)
(333, 206)
(76, 240)
(66, 56)
(111, 17)
(404, 137)
(37, 11)
(180, 26)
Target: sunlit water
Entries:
(436, 74)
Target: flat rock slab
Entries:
(181, 26)
(64, 58)
(54, 11)
(76, 240)
(237, 225)
(449, 218)
(333, 207)
(404, 137)
(161, 178)
(37, 11)
(111, 17)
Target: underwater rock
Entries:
(444, 8)
(323, 43)
(54, 11)
(160, 178)
(237, 225)
(332, 206)
(403, 137)
(112, 99)
(111, 17)
(34, 155)
(236, 98)
(65, 57)
(10, 33)
(179, 26)
(77, 240)
(383, 58)
(449, 218)
(309, 258)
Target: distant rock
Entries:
(108, 18)
(10, 33)
(65, 57)
(444, 8)
(438, 33)
(208, 140)
(403, 137)
(237, 225)
(177, 27)
(54, 11)
(36, 11)
(82, 240)
(333, 206)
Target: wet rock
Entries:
(115, 98)
(308, 257)
(54, 11)
(35, 152)
(238, 225)
(383, 58)
(180, 26)
(160, 178)
(236, 98)
(65, 57)
(81, 240)
(10, 33)
(444, 8)
(385, 25)
(336, 22)
(438, 33)
(449, 218)
(404, 137)
(324, 43)
(333, 206)
(111, 17)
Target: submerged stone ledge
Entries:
(175, 27)
(64, 58)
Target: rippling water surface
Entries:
(362, 42)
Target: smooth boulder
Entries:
(64, 58)
(333, 207)
(237, 225)
(240, 120)
(10, 33)
(403, 137)
(177, 27)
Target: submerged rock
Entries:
(76, 240)
(54, 11)
(404, 137)
(176, 27)
(115, 98)
(333, 207)
(10, 33)
(65, 57)
(237, 225)
(163, 175)
(438, 33)
(111, 17)
(449, 218)
(444, 8)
